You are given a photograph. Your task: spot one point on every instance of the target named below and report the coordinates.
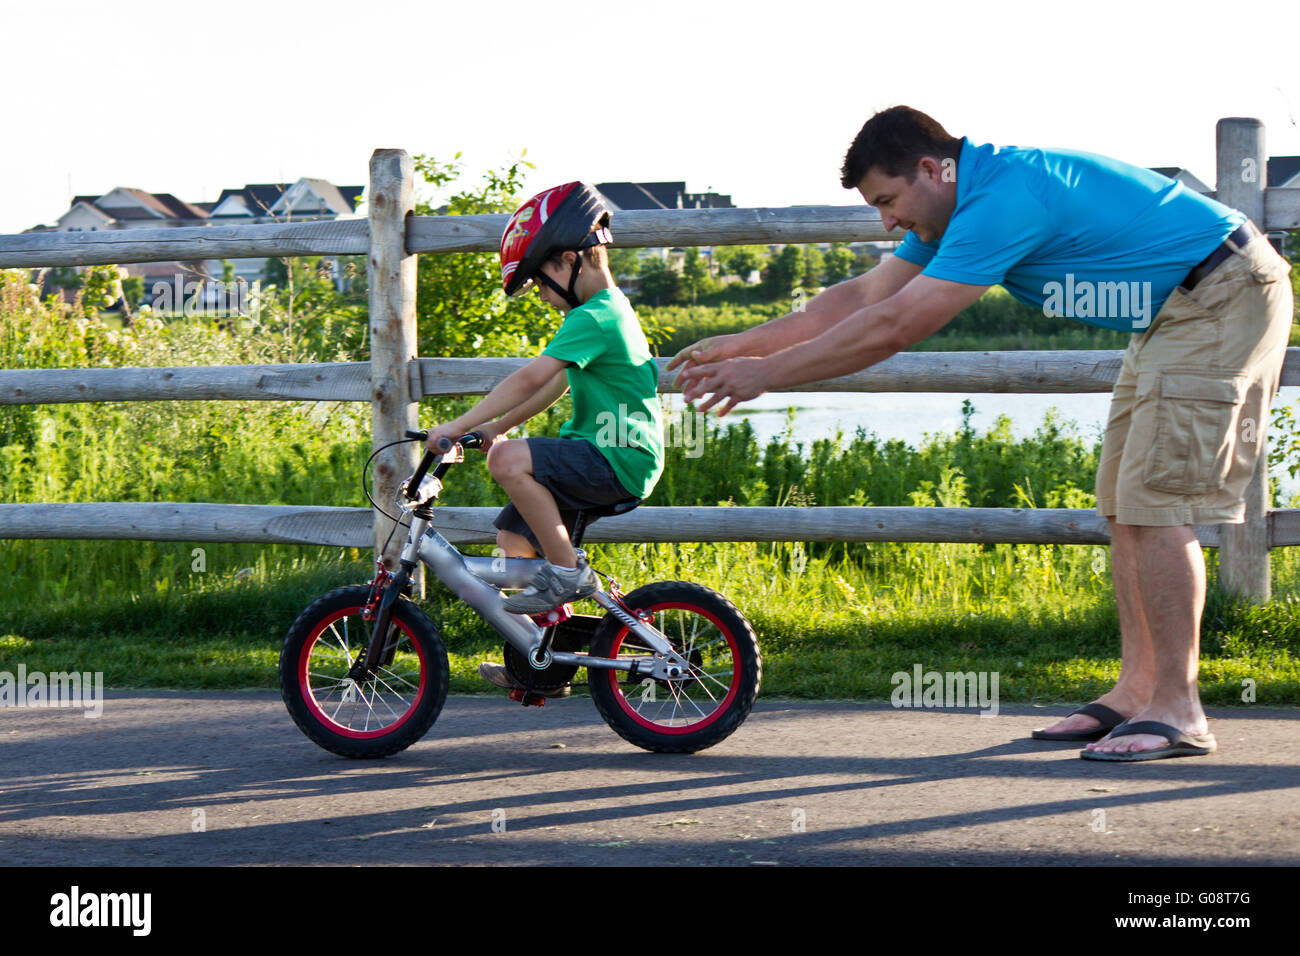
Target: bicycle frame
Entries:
(477, 581)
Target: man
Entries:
(1110, 244)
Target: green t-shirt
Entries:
(614, 382)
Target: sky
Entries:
(757, 100)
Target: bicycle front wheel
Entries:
(705, 705)
(362, 715)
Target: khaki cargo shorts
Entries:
(1188, 414)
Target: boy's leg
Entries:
(511, 465)
(515, 545)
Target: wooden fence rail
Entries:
(351, 527)
(1045, 373)
(395, 378)
(632, 229)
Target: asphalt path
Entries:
(225, 778)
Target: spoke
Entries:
(691, 702)
(342, 639)
(726, 687)
(369, 709)
(342, 700)
(701, 686)
(380, 698)
(395, 693)
(400, 677)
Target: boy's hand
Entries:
(492, 433)
(439, 432)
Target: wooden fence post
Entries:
(391, 272)
(1241, 177)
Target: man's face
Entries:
(922, 206)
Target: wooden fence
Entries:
(395, 379)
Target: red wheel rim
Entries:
(326, 710)
(720, 706)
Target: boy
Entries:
(557, 241)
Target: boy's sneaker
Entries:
(498, 675)
(551, 587)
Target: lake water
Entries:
(911, 416)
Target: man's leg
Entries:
(1169, 582)
(1132, 690)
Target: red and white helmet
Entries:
(569, 217)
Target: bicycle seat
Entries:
(617, 508)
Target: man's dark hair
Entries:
(893, 141)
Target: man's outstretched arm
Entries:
(822, 312)
(869, 335)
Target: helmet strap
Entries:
(568, 295)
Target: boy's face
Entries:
(559, 271)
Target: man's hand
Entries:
(713, 349)
(731, 381)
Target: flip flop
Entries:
(1180, 744)
(1110, 719)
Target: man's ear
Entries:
(929, 168)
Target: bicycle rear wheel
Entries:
(705, 705)
(362, 715)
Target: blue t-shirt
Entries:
(1078, 235)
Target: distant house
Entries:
(1184, 176)
(307, 199)
(663, 195)
(281, 202)
(1284, 172)
(127, 208)
(669, 195)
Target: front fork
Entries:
(386, 589)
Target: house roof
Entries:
(1183, 175)
(664, 195)
(156, 205)
(258, 198)
(261, 198)
(630, 196)
(1282, 169)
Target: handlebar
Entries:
(468, 440)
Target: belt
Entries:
(1242, 235)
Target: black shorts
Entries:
(576, 474)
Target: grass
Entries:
(1040, 616)
(834, 620)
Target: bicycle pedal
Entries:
(554, 616)
(526, 698)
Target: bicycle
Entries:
(673, 667)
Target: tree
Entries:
(461, 308)
(839, 263)
(784, 271)
(695, 274)
(660, 284)
(742, 261)
(624, 263)
(814, 264)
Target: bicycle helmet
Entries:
(569, 217)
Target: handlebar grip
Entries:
(444, 445)
(413, 485)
